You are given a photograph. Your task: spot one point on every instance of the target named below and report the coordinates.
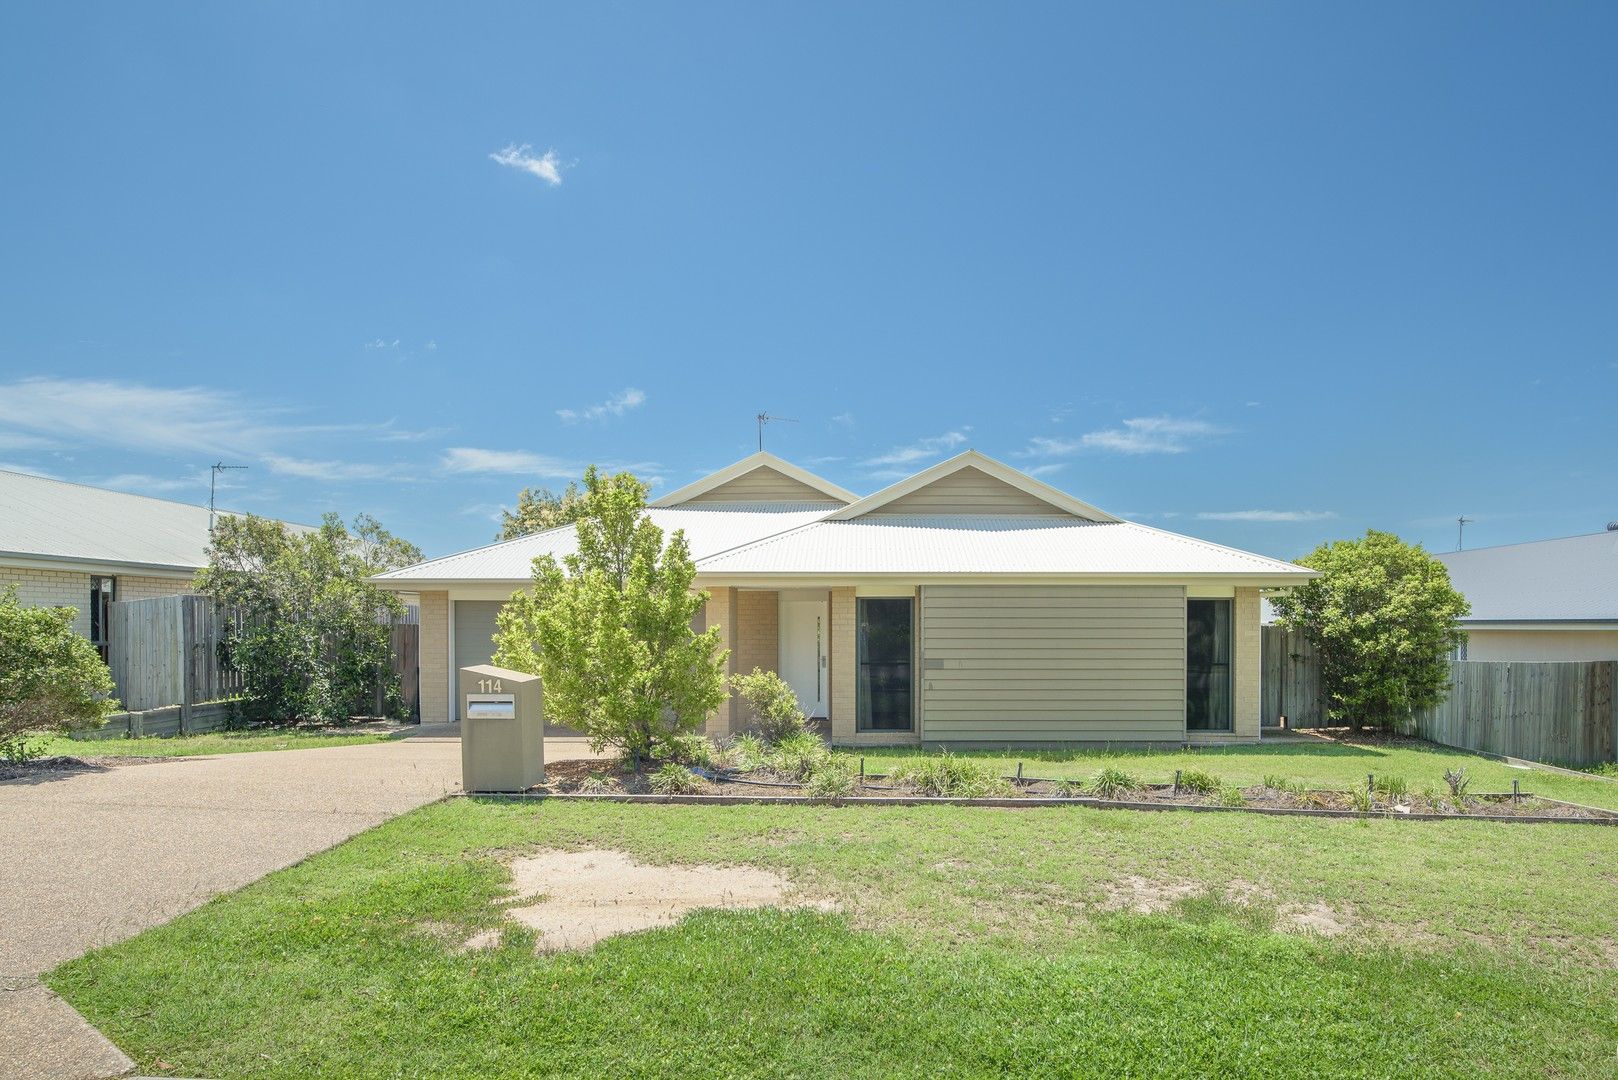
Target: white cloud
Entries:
(143, 482)
(1046, 469)
(192, 423)
(547, 166)
(29, 470)
(616, 405)
(1140, 435)
(17, 440)
(311, 469)
(920, 450)
(471, 459)
(379, 343)
(1267, 515)
(843, 420)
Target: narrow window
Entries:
(884, 664)
(1207, 665)
(101, 598)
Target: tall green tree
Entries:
(538, 510)
(1384, 619)
(312, 644)
(608, 629)
(51, 679)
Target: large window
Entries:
(101, 598)
(1207, 665)
(884, 664)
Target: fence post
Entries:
(188, 663)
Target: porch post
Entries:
(1247, 649)
(843, 664)
(721, 612)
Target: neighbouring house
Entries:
(71, 545)
(968, 604)
(1543, 600)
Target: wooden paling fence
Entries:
(164, 655)
(1289, 685)
(1564, 712)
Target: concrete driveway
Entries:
(93, 858)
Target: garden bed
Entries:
(609, 781)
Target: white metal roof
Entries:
(1573, 579)
(971, 544)
(708, 530)
(56, 521)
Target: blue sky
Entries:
(1263, 273)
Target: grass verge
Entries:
(216, 742)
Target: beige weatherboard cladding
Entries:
(1053, 663)
(971, 491)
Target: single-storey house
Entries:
(968, 604)
(71, 545)
(1543, 600)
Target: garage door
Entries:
(1053, 664)
(474, 638)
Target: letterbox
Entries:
(502, 729)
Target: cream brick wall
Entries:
(52, 588)
(757, 642)
(434, 674)
(843, 665)
(136, 587)
(1248, 658)
(721, 612)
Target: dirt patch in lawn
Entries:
(1143, 896)
(576, 898)
(1319, 919)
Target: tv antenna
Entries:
(765, 418)
(213, 482)
(1460, 531)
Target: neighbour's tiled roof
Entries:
(1573, 579)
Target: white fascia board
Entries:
(984, 463)
(762, 459)
(771, 580)
(109, 567)
(1550, 625)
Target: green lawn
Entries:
(968, 942)
(1320, 763)
(218, 742)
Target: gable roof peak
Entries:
(753, 462)
(973, 459)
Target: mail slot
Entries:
(491, 706)
(502, 730)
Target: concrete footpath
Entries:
(92, 858)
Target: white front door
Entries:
(804, 650)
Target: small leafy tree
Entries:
(608, 629)
(313, 639)
(1384, 619)
(51, 679)
(540, 510)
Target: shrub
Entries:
(1231, 795)
(674, 779)
(597, 784)
(1068, 789)
(776, 714)
(947, 776)
(51, 679)
(831, 779)
(1111, 782)
(795, 757)
(684, 748)
(1198, 782)
(1360, 800)
(1457, 781)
